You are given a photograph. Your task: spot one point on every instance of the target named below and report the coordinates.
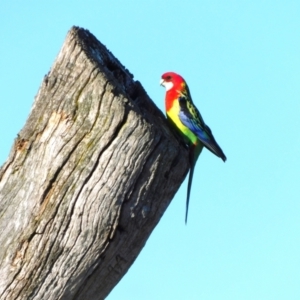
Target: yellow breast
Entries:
(173, 114)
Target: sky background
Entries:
(241, 60)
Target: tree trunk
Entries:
(87, 179)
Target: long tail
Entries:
(195, 151)
(189, 191)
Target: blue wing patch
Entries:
(191, 118)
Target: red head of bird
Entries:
(174, 85)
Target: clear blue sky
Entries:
(241, 60)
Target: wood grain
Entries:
(87, 179)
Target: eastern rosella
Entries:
(184, 115)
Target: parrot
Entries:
(184, 116)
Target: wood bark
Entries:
(87, 179)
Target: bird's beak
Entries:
(162, 82)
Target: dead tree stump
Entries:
(87, 180)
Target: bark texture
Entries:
(87, 179)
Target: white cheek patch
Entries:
(168, 85)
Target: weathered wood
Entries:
(87, 180)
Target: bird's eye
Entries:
(168, 77)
